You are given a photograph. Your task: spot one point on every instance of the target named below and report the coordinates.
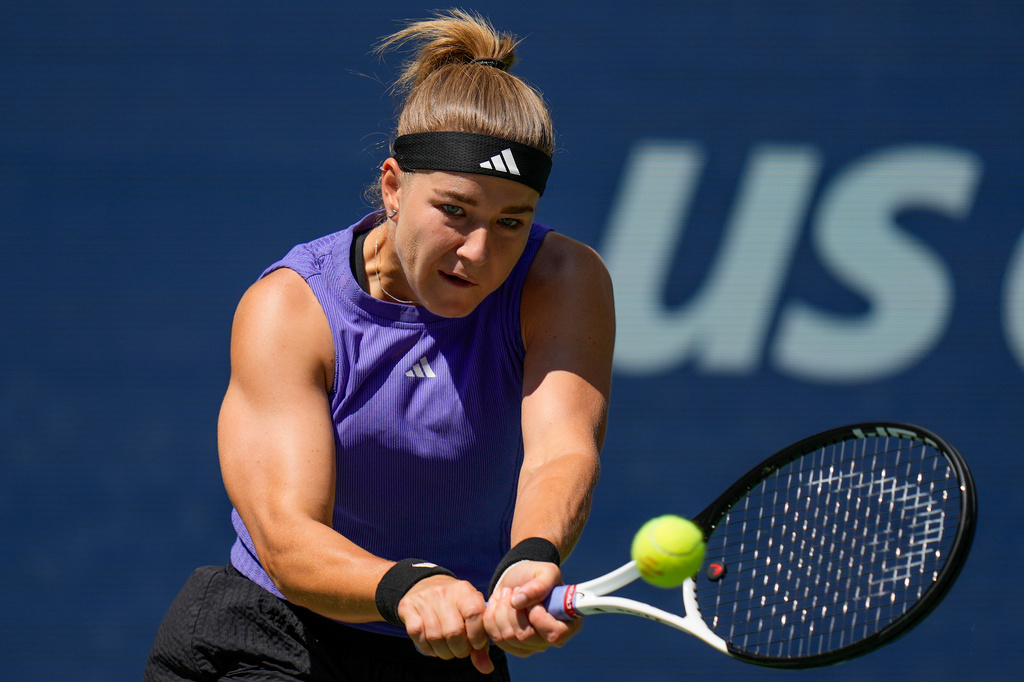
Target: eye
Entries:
(510, 222)
(452, 209)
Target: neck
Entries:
(376, 266)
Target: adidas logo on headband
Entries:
(462, 152)
(504, 162)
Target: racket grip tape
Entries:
(561, 603)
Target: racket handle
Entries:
(561, 603)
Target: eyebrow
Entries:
(471, 201)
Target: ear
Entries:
(390, 184)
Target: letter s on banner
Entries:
(908, 287)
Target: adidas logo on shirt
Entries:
(504, 162)
(422, 370)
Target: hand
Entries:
(516, 618)
(444, 617)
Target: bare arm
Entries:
(569, 330)
(278, 462)
(277, 451)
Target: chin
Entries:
(451, 311)
(450, 308)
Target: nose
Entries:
(474, 246)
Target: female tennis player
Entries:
(411, 431)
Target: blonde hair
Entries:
(445, 91)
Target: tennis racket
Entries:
(825, 551)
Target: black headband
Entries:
(473, 153)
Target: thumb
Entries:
(533, 592)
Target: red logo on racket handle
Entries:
(569, 602)
(716, 571)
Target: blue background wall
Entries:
(813, 212)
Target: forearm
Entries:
(554, 499)
(553, 503)
(315, 567)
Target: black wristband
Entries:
(398, 580)
(530, 549)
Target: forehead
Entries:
(477, 190)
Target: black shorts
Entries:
(224, 626)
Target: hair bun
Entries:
(445, 92)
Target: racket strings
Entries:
(832, 547)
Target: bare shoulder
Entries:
(280, 323)
(563, 260)
(280, 294)
(565, 275)
(568, 295)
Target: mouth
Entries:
(456, 280)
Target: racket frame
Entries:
(709, 518)
(570, 602)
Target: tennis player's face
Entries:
(458, 236)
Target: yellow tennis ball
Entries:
(668, 550)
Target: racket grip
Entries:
(561, 603)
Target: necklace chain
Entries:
(376, 267)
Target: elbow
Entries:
(279, 553)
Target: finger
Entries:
(453, 632)
(461, 622)
(498, 622)
(444, 639)
(526, 634)
(426, 632)
(482, 661)
(553, 631)
(510, 628)
(473, 609)
(419, 641)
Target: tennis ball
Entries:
(668, 550)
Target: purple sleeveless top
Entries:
(427, 419)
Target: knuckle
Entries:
(452, 634)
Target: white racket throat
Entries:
(589, 598)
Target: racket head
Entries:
(835, 545)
